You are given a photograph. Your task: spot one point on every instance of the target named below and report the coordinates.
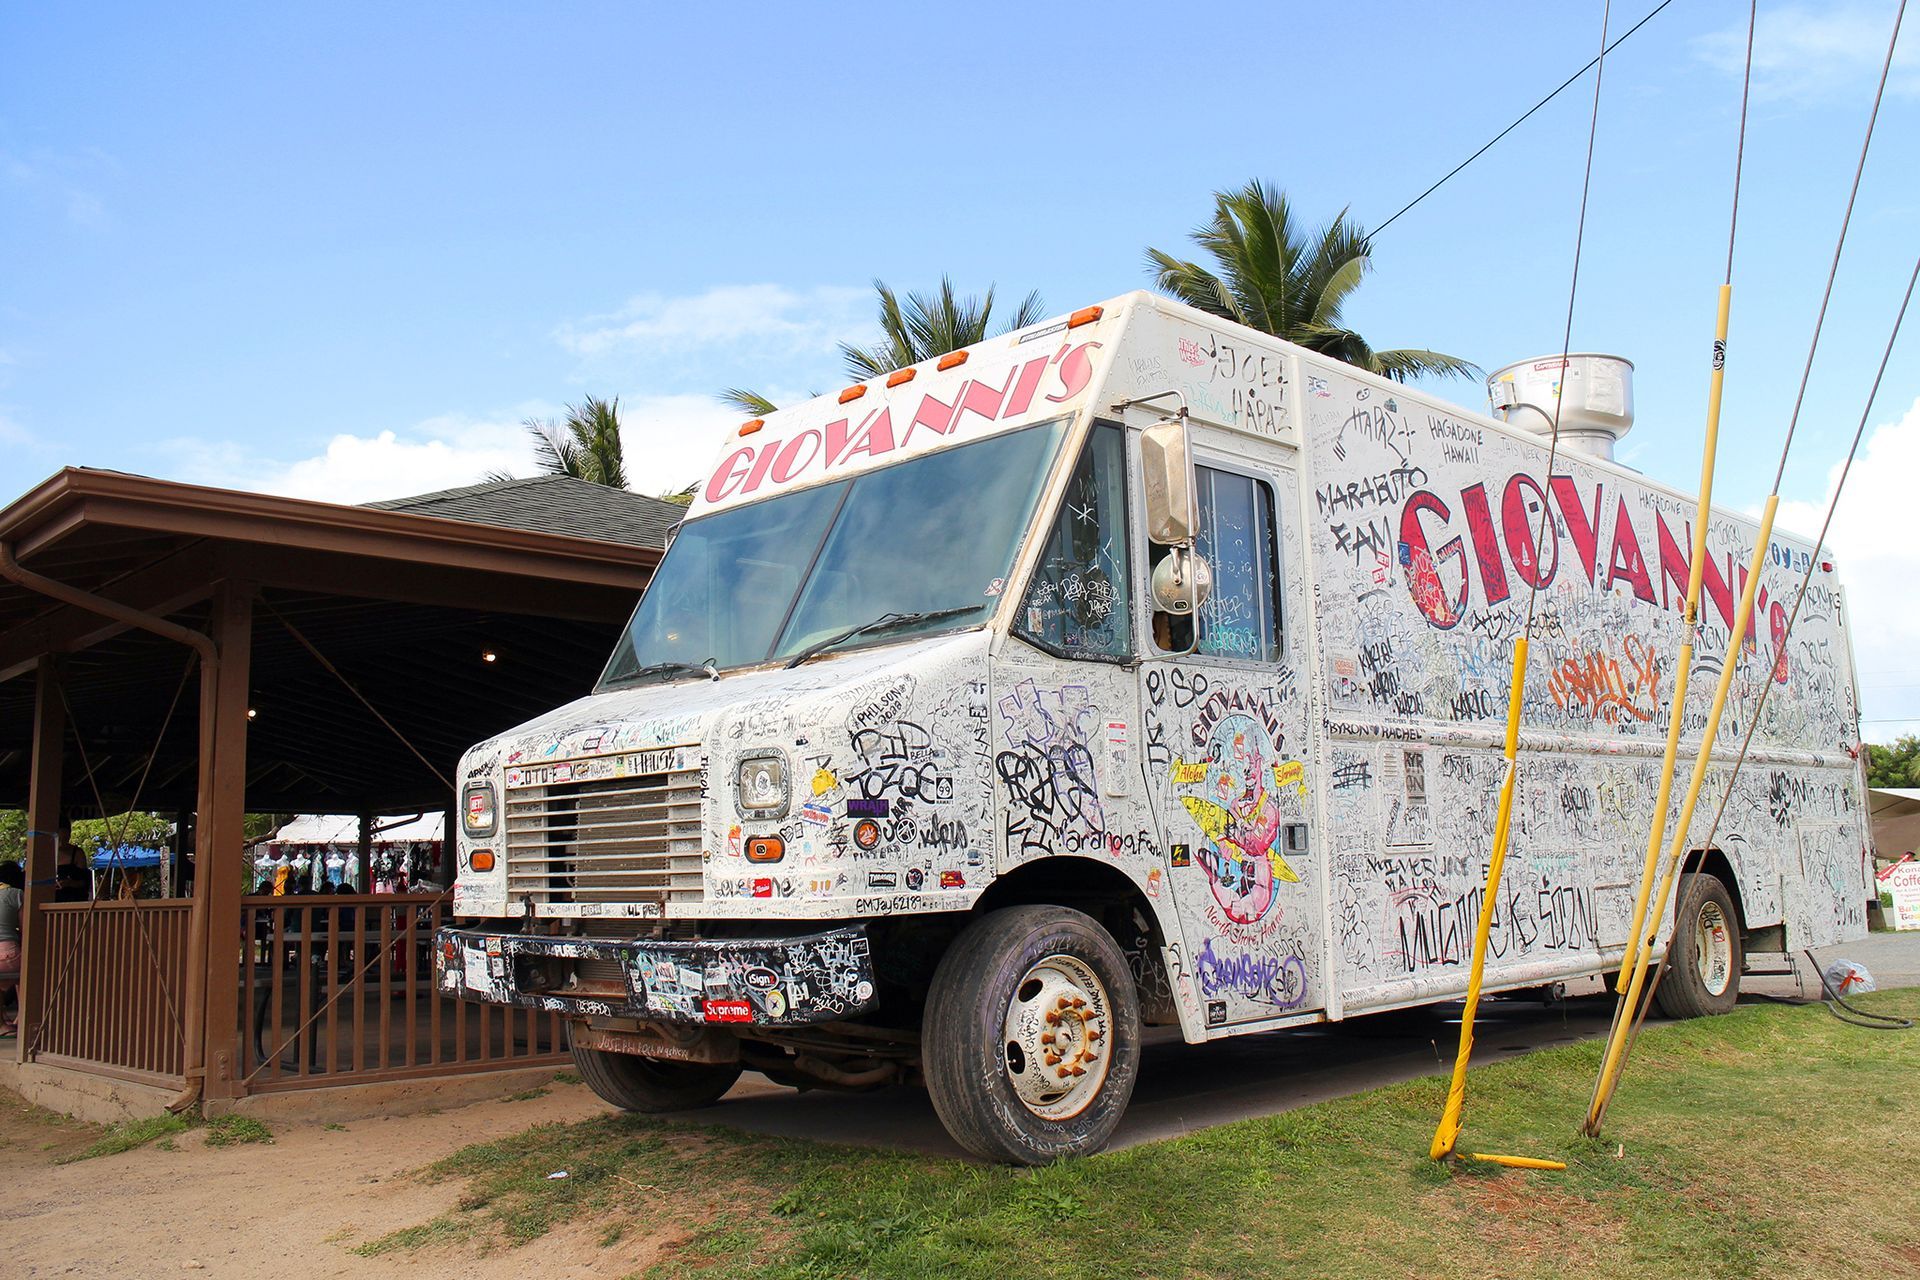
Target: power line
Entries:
(1368, 240)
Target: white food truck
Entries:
(1130, 670)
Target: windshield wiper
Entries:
(674, 668)
(885, 622)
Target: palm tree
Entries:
(585, 445)
(1274, 276)
(920, 329)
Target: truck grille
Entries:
(633, 839)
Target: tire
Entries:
(1705, 956)
(986, 1040)
(633, 1083)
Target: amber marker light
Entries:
(482, 860)
(766, 849)
(952, 360)
(748, 428)
(899, 376)
(1085, 315)
(853, 392)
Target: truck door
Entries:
(1226, 739)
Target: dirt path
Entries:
(296, 1207)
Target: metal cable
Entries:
(1451, 173)
(1766, 687)
(1846, 220)
(1690, 859)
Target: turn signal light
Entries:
(766, 849)
(899, 376)
(482, 860)
(853, 392)
(1085, 315)
(952, 360)
(748, 428)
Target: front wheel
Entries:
(634, 1083)
(1704, 958)
(1031, 1040)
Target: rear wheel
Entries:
(1031, 1039)
(634, 1083)
(1705, 956)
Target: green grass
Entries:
(527, 1095)
(129, 1134)
(1772, 1142)
(234, 1130)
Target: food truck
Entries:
(1139, 670)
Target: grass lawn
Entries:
(1771, 1142)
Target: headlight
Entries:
(477, 805)
(760, 784)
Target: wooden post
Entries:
(365, 853)
(220, 837)
(43, 822)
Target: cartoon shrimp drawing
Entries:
(1241, 820)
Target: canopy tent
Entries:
(125, 857)
(1896, 821)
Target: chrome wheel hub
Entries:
(1058, 1042)
(1713, 948)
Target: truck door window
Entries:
(1079, 602)
(1238, 538)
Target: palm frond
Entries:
(751, 403)
(1403, 363)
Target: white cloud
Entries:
(807, 322)
(1802, 53)
(1876, 548)
(440, 453)
(670, 442)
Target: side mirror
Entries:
(1181, 582)
(1166, 467)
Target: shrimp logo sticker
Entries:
(1236, 810)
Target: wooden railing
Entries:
(338, 989)
(116, 985)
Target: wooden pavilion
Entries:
(208, 652)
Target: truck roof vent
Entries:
(1595, 396)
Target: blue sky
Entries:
(341, 251)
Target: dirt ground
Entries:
(295, 1207)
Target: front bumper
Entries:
(774, 982)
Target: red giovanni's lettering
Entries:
(945, 411)
(1525, 543)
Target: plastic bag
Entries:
(1844, 977)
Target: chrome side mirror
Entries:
(1166, 470)
(1181, 582)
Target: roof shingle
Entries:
(551, 504)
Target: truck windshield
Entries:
(935, 535)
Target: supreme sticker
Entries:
(726, 1010)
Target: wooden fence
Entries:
(116, 988)
(339, 990)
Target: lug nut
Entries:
(1093, 1033)
(1046, 1037)
(1053, 1018)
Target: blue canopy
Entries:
(125, 856)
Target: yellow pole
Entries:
(1702, 510)
(1616, 1042)
(1448, 1131)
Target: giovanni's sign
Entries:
(1020, 379)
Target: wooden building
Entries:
(208, 653)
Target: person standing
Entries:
(12, 885)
